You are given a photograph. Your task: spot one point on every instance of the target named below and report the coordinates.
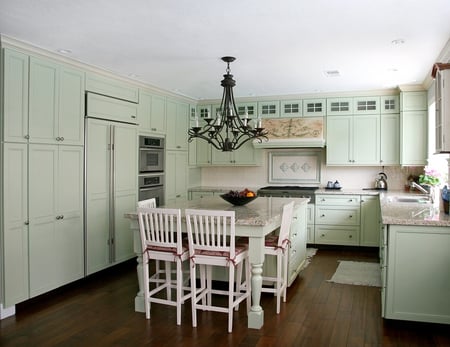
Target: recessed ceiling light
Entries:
(64, 51)
(392, 69)
(332, 73)
(398, 42)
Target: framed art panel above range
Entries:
(301, 167)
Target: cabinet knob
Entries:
(153, 129)
(27, 137)
(350, 216)
(58, 217)
(350, 236)
(323, 235)
(62, 138)
(133, 116)
(26, 222)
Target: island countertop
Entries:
(261, 211)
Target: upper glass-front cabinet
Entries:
(389, 104)
(291, 108)
(269, 109)
(339, 106)
(314, 107)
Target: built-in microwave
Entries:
(151, 154)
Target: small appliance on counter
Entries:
(381, 181)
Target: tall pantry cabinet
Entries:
(42, 243)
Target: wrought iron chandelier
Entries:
(228, 131)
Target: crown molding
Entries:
(10, 42)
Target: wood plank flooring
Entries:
(99, 311)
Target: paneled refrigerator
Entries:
(111, 189)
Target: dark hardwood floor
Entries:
(99, 311)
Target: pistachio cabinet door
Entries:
(339, 140)
(70, 235)
(14, 254)
(15, 96)
(43, 247)
(125, 188)
(98, 181)
(366, 139)
(71, 107)
(43, 101)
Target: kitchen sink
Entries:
(408, 199)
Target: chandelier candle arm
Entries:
(227, 131)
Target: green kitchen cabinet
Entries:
(370, 221)
(353, 140)
(291, 108)
(337, 220)
(416, 289)
(151, 112)
(339, 106)
(246, 155)
(111, 87)
(269, 109)
(176, 176)
(366, 105)
(389, 104)
(413, 128)
(56, 103)
(177, 124)
(250, 107)
(56, 241)
(390, 139)
(314, 107)
(15, 96)
(14, 224)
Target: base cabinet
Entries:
(416, 277)
(297, 250)
(337, 219)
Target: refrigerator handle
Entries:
(112, 184)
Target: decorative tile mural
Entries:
(285, 128)
(295, 167)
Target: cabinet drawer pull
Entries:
(350, 236)
(133, 116)
(322, 215)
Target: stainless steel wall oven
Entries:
(151, 169)
(151, 154)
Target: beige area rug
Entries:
(310, 253)
(357, 273)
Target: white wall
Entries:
(349, 177)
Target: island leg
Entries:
(256, 255)
(139, 305)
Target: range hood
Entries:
(293, 133)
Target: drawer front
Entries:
(200, 195)
(336, 235)
(310, 213)
(337, 200)
(331, 215)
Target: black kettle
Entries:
(381, 182)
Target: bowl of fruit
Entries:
(239, 198)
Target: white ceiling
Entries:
(282, 47)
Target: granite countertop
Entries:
(259, 212)
(392, 212)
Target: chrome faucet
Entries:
(423, 190)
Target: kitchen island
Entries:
(254, 220)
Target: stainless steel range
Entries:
(288, 192)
